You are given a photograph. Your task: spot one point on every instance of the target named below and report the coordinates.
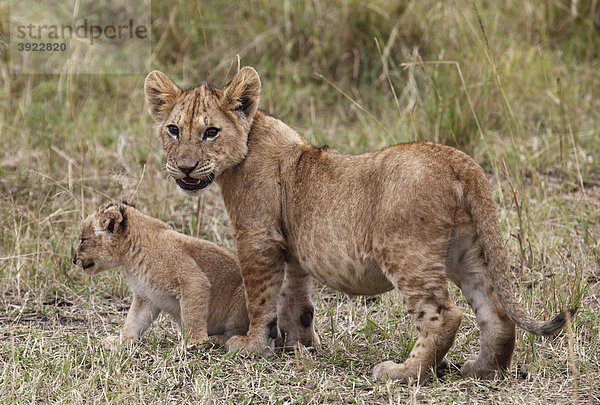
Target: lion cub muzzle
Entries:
(81, 262)
(84, 264)
(191, 184)
(191, 177)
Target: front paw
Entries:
(196, 339)
(246, 345)
(293, 346)
(111, 342)
(388, 370)
(219, 340)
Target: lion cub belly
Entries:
(341, 272)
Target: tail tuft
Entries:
(556, 324)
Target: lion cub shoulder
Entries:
(195, 281)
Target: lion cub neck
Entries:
(143, 235)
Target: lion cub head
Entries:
(101, 237)
(204, 130)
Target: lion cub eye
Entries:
(173, 130)
(210, 133)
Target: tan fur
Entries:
(195, 281)
(406, 217)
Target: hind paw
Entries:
(480, 369)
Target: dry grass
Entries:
(525, 104)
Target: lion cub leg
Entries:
(497, 341)
(420, 276)
(295, 309)
(194, 307)
(262, 266)
(139, 318)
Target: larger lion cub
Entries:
(406, 217)
(195, 281)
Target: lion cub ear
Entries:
(243, 93)
(161, 94)
(112, 218)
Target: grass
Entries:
(514, 84)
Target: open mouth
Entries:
(192, 184)
(88, 265)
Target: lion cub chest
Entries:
(155, 294)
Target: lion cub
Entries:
(195, 281)
(407, 217)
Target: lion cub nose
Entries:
(187, 169)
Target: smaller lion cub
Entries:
(195, 281)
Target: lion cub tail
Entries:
(478, 202)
